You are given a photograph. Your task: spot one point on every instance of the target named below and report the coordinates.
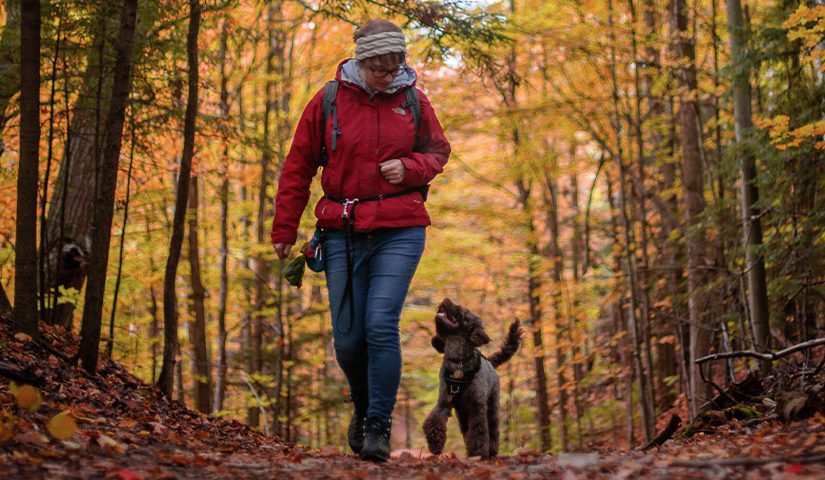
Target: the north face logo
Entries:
(399, 110)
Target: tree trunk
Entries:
(197, 327)
(643, 265)
(110, 342)
(551, 199)
(5, 304)
(508, 94)
(751, 215)
(693, 185)
(69, 221)
(104, 203)
(73, 200)
(619, 322)
(629, 241)
(534, 299)
(220, 380)
(9, 62)
(170, 310)
(25, 262)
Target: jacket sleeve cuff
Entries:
(279, 236)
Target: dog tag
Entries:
(458, 374)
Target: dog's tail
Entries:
(509, 347)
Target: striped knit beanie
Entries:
(380, 44)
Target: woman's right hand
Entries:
(282, 249)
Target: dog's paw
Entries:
(436, 434)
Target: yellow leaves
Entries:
(806, 24)
(27, 397)
(62, 426)
(783, 138)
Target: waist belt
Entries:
(348, 218)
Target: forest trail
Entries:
(127, 430)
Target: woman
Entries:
(379, 161)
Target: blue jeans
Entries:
(368, 346)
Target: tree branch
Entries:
(763, 356)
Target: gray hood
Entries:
(350, 73)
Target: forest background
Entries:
(603, 155)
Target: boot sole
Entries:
(374, 457)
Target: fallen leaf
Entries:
(109, 443)
(23, 337)
(70, 445)
(62, 426)
(127, 423)
(28, 397)
(124, 474)
(795, 469)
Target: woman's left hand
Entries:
(393, 171)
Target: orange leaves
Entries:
(783, 137)
(62, 426)
(27, 396)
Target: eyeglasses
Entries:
(383, 72)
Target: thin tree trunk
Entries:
(111, 340)
(104, 205)
(693, 185)
(220, 379)
(534, 299)
(751, 215)
(641, 213)
(25, 262)
(197, 328)
(508, 94)
(573, 308)
(619, 323)
(551, 199)
(170, 310)
(43, 251)
(633, 326)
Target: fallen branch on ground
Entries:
(13, 372)
(763, 356)
(668, 432)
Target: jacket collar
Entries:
(349, 74)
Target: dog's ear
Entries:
(478, 336)
(438, 344)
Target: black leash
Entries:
(348, 219)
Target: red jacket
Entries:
(373, 130)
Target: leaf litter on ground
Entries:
(112, 425)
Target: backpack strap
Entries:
(413, 103)
(329, 108)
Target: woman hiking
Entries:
(380, 144)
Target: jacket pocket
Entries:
(329, 213)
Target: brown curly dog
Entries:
(468, 381)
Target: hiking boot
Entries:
(355, 433)
(376, 439)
